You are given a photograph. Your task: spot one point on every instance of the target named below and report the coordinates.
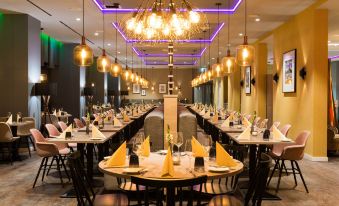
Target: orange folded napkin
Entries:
(118, 158)
(226, 123)
(168, 168)
(277, 135)
(202, 112)
(117, 122)
(134, 113)
(246, 134)
(197, 149)
(215, 118)
(223, 158)
(96, 133)
(146, 149)
(126, 118)
(96, 119)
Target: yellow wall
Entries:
(234, 90)
(306, 109)
(256, 101)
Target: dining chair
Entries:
(63, 127)
(46, 150)
(170, 189)
(7, 139)
(78, 123)
(263, 123)
(292, 153)
(3, 119)
(84, 190)
(24, 132)
(255, 191)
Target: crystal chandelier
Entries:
(164, 20)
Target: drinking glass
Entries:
(188, 151)
(178, 141)
(207, 143)
(137, 143)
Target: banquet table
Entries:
(151, 169)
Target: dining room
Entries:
(169, 102)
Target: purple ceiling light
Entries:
(334, 57)
(102, 8)
(218, 28)
(140, 54)
(166, 63)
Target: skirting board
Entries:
(315, 159)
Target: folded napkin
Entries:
(96, 119)
(59, 113)
(202, 112)
(117, 122)
(277, 135)
(246, 134)
(68, 129)
(207, 115)
(197, 149)
(54, 113)
(146, 149)
(134, 113)
(118, 158)
(96, 133)
(126, 118)
(245, 122)
(215, 118)
(62, 135)
(226, 123)
(168, 168)
(223, 158)
(10, 120)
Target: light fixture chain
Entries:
(83, 17)
(116, 34)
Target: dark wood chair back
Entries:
(258, 184)
(170, 185)
(82, 186)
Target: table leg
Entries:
(252, 161)
(81, 148)
(100, 152)
(89, 156)
(170, 196)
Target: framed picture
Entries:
(162, 88)
(288, 71)
(136, 89)
(248, 80)
(143, 92)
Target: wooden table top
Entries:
(153, 165)
(108, 127)
(258, 140)
(81, 137)
(17, 124)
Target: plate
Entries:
(218, 169)
(286, 140)
(132, 170)
(162, 151)
(95, 138)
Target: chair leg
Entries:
(10, 152)
(280, 172)
(284, 166)
(275, 167)
(37, 176)
(59, 171)
(50, 166)
(45, 168)
(29, 150)
(63, 164)
(31, 140)
(294, 176)
(301, 175)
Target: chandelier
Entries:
(163, 21)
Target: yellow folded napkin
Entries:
(246, 134)
(226, 123)
(246, 123)
(202, 112)
(117, 122)
(96, 119)
(62, 135)
(197, 149)
(96, 133)
(118, 158)
(69, 128)
(277, 135)
(126, 118)
(10, 120)
(223, 158)
(146, 149)
(168, 168)
(215, 118)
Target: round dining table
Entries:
(152, 167)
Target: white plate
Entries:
(132, 170)
(107, 157)
(218, 169)
(95, 138)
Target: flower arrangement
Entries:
(169, 136)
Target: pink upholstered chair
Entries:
(285, 129)
(62, 125)
(46, 150)
(293, 153)
(263, 123)
(277, 149)
(7, 139)
(54, 132)
(78, 123)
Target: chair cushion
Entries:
(64, 151)
(111, 199)
(73, 145)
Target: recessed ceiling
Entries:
(271, 14)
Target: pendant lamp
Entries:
(103, 62)
(127, 72)
(83, 54)
(116, 68)
(228, 62)
(245, 52)
(217, 68)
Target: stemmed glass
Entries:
(137, 144)
(178, 142)
(207, 143)
(188, 151)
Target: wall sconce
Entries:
(276, 77)
(253, 81)
(241, 83)
(302, 73)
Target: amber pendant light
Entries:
(83, 54)
(116, 68)
(228, 62)
(103, 62)
(127, 72)
(217, 68)
(245, 52)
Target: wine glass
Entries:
(137, 145)
(207, 143)
(178, 141)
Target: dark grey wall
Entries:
(113, 83)
(98, 78)
(20, 64)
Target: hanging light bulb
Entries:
(103, 62)
(245, 52)
(132, 77)
(228, 63)
(127, 74)
(204, 76)
(83, 54)
(152, 20)
(116, 68)
(194, 17)
(217, 68)
(139, 27)
(130, 24)
(137, 78)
